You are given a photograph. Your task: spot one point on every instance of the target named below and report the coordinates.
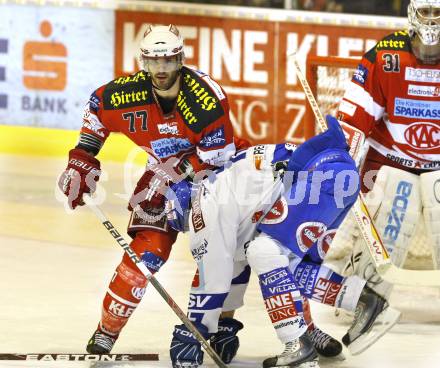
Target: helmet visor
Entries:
(156, 65)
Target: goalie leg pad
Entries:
(341, 248)
(430, 188)
(395, 205)
(398, 211)
(361, 264)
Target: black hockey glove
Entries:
(225, 342)
(185, 349)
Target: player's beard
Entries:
(164, 80)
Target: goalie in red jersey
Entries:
(394, 98)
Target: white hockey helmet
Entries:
(424, 29)
(161, 41)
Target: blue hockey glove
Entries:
(186, 350)
(333, 138)
(225, 342)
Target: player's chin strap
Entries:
(374, 243)
(143, 268)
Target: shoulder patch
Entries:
(197, 103)
(360, 74)
(128, 91)
(94, 102)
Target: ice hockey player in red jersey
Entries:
(172, 111)
(394, 98)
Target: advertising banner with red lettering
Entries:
(49, 67)
(51, 60)
(249, 58)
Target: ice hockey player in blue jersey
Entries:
(276, 209)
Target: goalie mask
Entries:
(424, 29)
(162, 55)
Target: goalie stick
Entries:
(374, 243)
(46, 357)
(143, 268)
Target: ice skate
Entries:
(298, 353)
(372, 319)
(100, 343)
(325, 345)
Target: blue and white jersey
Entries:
(249, 185)
(226, 210)
(251, 175)
(243, 215)
(247, 195)
(249, 181)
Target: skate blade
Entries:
(312, 364)
(338, 358)
(384, 322)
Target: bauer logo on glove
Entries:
(80, 177)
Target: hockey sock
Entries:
(123, 296)
(283, 303)
(319, 283)
(127, 286)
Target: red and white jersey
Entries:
(395, 101)
(198, 128)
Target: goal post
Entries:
(327, 76)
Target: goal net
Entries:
(328, 77)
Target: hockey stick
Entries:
(146, 272)
(374, 243)
(81, 357)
